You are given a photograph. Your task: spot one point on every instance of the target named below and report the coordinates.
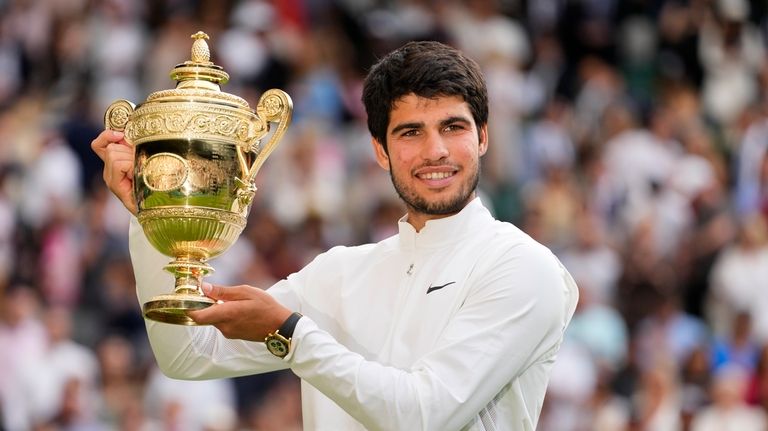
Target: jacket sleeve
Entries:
(514, 318)
(194, 352)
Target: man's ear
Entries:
(483, 136)
(382, 158)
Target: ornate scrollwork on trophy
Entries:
(165, 123)
(272, 105)
(118, 114)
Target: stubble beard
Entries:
(451, 205)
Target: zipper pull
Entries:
(410, 270)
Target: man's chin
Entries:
(438, 208)
(436, 202)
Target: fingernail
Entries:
(117, 134)
(206, 287)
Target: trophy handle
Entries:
(118, 114)
(274, 106)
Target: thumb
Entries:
(224, 293)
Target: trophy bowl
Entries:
(197, 152)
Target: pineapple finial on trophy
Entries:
(200, 51)
(199, 71)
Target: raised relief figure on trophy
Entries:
(198, 150)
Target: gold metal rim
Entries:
(153, 214)
(173, 308)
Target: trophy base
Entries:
(172, 308)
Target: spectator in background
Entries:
(729, 410)
(638, 160)
(22, 339)
(10, 67)
(574, 377)
(657, 402)
(186, 405)
(117, 45)
(592, 259)
(554, 200)
(52, 186)
(601, 330)
(739, 268)
(121, 386)
(669, 335)
(756, 393)
(695, 199)
(695, 383)
(8, 223)
(732, 53)
(751, 190)
(547, 141)
(284, 396)
(64, 370)
(737, 349)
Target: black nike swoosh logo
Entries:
(432, 288)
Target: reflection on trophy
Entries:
(197, 150)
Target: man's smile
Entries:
(435, 175)
(432, 174)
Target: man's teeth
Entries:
(436, 175)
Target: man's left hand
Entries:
(242, 312)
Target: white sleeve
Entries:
(194, 352)
(514, 318)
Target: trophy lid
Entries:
(199, 78)
(197, 109)
(199, 67)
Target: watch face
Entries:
(277, 347)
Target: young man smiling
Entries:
(453, 323)
(435, 159)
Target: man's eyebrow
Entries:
(420, 125)
(455, 119)
(404, 126)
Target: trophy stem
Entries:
(187, 295)
(189, 275)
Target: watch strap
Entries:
(287, 328)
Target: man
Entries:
(452, 324)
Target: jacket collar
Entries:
(446, 230)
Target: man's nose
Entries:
(435, 147)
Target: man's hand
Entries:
(244, 312)
(118, 157)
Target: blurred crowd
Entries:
(629, 136)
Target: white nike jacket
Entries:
(455, 327)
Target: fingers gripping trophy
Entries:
(197, 152)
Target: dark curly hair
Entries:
(427, 69)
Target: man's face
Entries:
(433, 159)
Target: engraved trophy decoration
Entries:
(197, 152)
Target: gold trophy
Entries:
(197, 152)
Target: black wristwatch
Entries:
(279, 342)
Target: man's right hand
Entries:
(118, 157)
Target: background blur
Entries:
(628, 136)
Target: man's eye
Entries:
(453, 128)
(410, 133)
